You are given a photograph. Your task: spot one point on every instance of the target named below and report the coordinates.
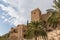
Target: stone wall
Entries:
(36, 15)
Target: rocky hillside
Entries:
(4, 37)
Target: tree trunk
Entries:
(35, 37)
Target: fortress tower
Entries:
(36, 15)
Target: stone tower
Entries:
(36, 15)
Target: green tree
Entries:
(36, 29)
(57, 7)
(55, 14)
(56, 4)
(53, 19)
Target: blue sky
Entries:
(14, 12)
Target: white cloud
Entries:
(10, 10)
(5, 20)
(3, 7)
(5, 0)
(14, 3)
(2, 17)
(22, 20)
(25, 7)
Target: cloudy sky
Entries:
(14, 12)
